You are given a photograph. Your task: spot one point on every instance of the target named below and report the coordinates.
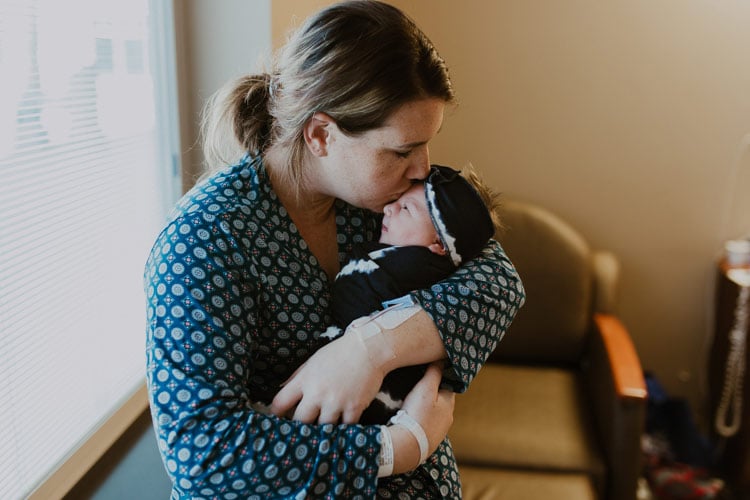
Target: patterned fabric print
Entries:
(235, 304)
(438, 478)
(472, 310)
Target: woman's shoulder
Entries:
(221, 203)
(226, 190)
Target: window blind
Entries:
(87, 135)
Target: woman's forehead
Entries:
(415, 123)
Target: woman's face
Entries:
(376, 167)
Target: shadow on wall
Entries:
(132, 468)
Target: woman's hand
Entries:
(433, 409)
(336, 384)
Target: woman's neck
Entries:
(313, 213)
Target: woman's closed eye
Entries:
(403, 154)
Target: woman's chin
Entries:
(375, 206)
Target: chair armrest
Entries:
(623, 360)
(606, 269)
(617, 396)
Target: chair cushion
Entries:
(555, 266)
(528, 418)
(479, 483)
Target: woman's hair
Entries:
(356, 61)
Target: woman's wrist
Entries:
(404, 419)
(379, 347)
(398, 453)
(405, 449)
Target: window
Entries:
(87, 171)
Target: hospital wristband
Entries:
(385, 457)
(406, 420)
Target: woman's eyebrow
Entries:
(411, 145)
(418, 143)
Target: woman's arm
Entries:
(472, 309)
(201, 359)
(433, 409)
(413, 342)
(353, 366)
(462, 319)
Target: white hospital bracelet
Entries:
(385, 458)
(403, 418)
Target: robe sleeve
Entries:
(472, 310)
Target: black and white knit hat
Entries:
(461, 218)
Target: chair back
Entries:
(555, 265)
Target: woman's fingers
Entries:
(328, 417)
(351, 416)
(431, 407)
(427, 387)
(286, 399)
(447, 399)
(337, 382)
(432, 377)
(307, 414)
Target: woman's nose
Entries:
(420, 166)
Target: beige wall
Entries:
(216, 41)
(628, 119)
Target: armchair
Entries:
(557, 412)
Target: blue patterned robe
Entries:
(236, 302)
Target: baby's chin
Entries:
(384, 240)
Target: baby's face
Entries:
(406, 221)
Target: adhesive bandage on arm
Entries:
(370, 331)
(395, 313)
(404, 419)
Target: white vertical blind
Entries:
(85, 176)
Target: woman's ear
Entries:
(317, 133)
(437, 248)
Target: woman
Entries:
(238, 283)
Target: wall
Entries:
(625, 117)
(217, 41)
